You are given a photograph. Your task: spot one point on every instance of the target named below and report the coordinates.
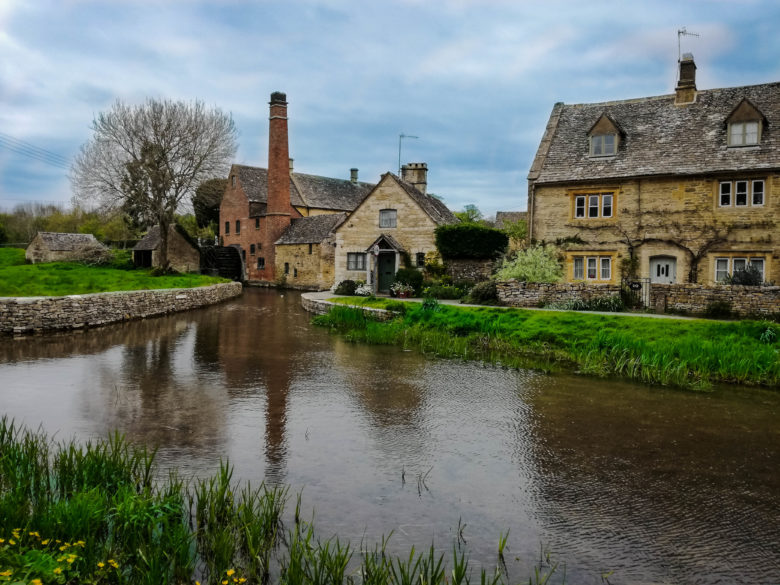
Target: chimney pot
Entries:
(279, 97)
(353, 175)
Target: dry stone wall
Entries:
(695, 298)
(536, 294)
(471, 270)
(23, 315)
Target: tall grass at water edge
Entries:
(690, 354)
(95, 514)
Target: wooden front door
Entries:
(385, 268)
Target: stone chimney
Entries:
(278, 157)
(686, 85)
(353, 175)
(416, 174)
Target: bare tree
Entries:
(151, 157)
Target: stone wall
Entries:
(471, 270)
(694, 298)
(536, 294)
(23, 315)
(319, 306)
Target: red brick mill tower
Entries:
(279, 210)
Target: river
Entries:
(649, 484)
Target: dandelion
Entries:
(242, 580)
(8, 573)
(11, 541)
(2, 540)
(230, 572)
(58, 571)
(113, 563)
(64, 547)
(35, 534)
(101, 564)
(45, 542)
(36, 582)
(225, 582)
(80, 543)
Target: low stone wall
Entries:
(536, 294)
(695, 298)
(21, 315)
(470, 270)
(312, 303)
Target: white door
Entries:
(663, 270)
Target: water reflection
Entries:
(659, 486)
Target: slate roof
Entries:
(659, 138)
(509, 216)
(311, 230)
(305, 190)
(151, 240)
(434, 207)
(68, 242)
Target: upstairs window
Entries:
(743, 133)
(252, 249)
(593, 205)
(227, 227)
(388, 218)
(238, 226)
(741, 193)
(257, 223)
(603, 145)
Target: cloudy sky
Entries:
(475, 80)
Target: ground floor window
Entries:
(420, 259)
(592, 268)
(261, 263)
(356, 261)
(287, 268)
(727, 266)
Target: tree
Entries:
(206, 201)
(517, 231)
(470, 214)
(147, 159)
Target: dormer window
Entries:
(603, 145)
(744, 125)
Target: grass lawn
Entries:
(691, 353)
(18, 279)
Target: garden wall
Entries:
(695, 298)
(470, 270)
(536, 294)
(20, 315)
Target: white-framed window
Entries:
(579, 268)
(606, 268)
(603, 144)
(741, 193)
(594, 205)
(725, 267)
(356, 261)
(744, 133)
(388, 218)
(758, 264)
(721, 269)
(592, 268)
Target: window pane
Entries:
(579, 269)
(736, 134)
(238, 226)
(387, 218)
(758, 264)
(606, 205)
(592, 268)
(740, 193)
(751, 133)
(579, 207)
(721, 269)
(227, 227)
(758, 192)
(593, 206)
(609, 144)
(725, 194)
(739, 264)
(596, 145)
(606, 271)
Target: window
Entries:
(261, 263)
(238, 226)
(233, 181)
(603, 144)
(295, 273)
(592, 268)
(257, 223)
(758, 264)
(252, 249)
(741, 193)
(594, 205)
(420, 259)
(287, 268)
(721, 269)
(725, 267)
(311, 247)
(227, 227)
(243, 255)
(743, 133)
(388, 218)
(356, 261)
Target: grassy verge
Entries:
(18, 279)
(94, 515)
(690, 354)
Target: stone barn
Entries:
(183, 254)
(59, 247)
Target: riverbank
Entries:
(690, 353)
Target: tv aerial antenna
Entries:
(400, 138)
(683, 32)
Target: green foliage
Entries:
(470, 240)
(444, 291)
(749, 276)
(718, 310)
(534, 264)
(206, 201)
(517, 231)
(3, 232)
(470, 214)
(346, 287)
(613, 304)
(483, 293)
(410, 276)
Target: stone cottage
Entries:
(183, 254)
(61, 247)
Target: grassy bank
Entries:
(18, 279)
(684, 353)
(95, 515)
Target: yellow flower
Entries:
(57, 571)
(36, 582)
(35, 534)
(113, 563)
(45, 542)
(101, 565)
(242, 580)
(81, 543)
(225, 582)
(230, 572)
(2, 540)
(197, 582)
(9, 572)
(64, 547)
(11, 541)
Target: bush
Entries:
(535, 264)
(346, 287)
(396, 307)
(613, 304)
(443, 291)
(750, 276)
(410, 276)
(483, 293)
(470, 241)
(718, 310)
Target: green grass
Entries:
(95, 514)
(686, 353)
(18, 279)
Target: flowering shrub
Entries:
(535, 264)
(401, 288)
(364, 290)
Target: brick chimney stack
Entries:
(417, 175)
(278, 157)
(685, 93)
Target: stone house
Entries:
(675, 188)
(183, 253)
(61, 247)
(260, 205)
(396, 221)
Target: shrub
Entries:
(346, 287)
(718, 310)
(363, 290)
(535, 264)
(749, 276)
(470, 241)
(396, 307)
(443, 291)
(410, 276)
(433, 264)
(613, 304)
(483, 293)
